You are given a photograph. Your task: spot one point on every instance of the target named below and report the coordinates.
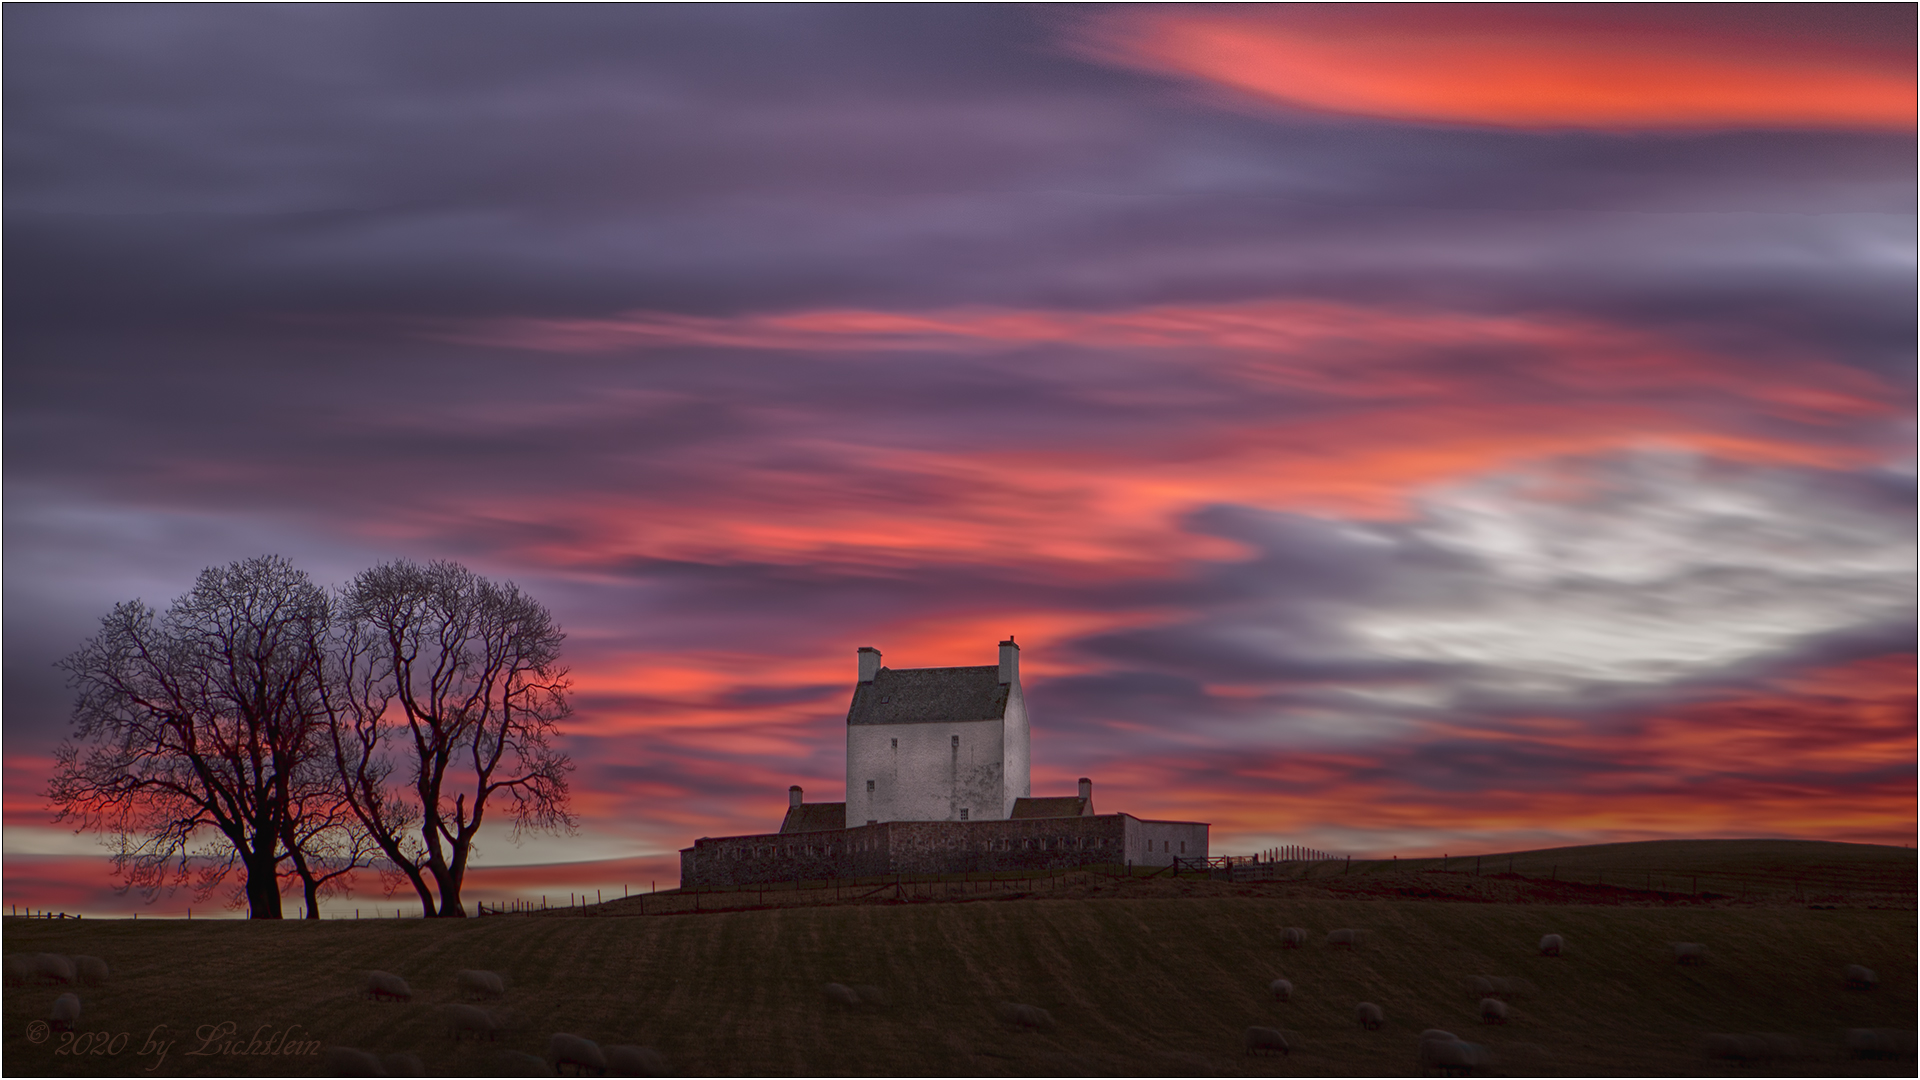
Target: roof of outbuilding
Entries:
(1061, 806)
(815, 817)
(930, 696)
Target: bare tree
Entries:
(196, 736)
(453, 684)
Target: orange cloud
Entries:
(1517, 66)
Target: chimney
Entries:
(869, 663)
(793, 796)
(1009, 661)
(1086, 795)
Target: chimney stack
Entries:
(793, 796)
(1009, 661)
(870, 663)
(1086, 795)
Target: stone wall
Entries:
(938, 847)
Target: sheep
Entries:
(1861, 978)
(1281, 989)
(404, 1065)
(1510, 986)
(1266, 1040)
(1436, 1033)
(582, 1054)
(837, 994)
(52, 967)
(91, 969)
(383, 985)
(635, 1061)
(465, 1020)
(1292, 937)
(871, 995)
(1343, 939)
(1879, 1043)
(1449, 1055)
(1493, 1011)
(1029, 1017)
(346, 1061)
(65, 1011)
(515, 1063)
(19, 967)
(1370, 1016)
(1740, 1048)
(1479, 986)
(1551, 944)
(1689, 952)
(480, 984)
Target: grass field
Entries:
(1149, 984)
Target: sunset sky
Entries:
(1388, 429)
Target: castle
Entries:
(938, 773)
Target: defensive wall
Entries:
(940, 847)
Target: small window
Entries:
(963, 813)
(1183, 847)
(896, 744)
(956, 740)
(869, 787)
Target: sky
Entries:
(1389, 429)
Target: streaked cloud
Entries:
(1535, 65)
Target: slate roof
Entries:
(815, 817)
(1063, 806)
(930, 696)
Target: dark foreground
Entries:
(1137, 986)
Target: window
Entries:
(1183, 847)
(963, 813)
(896, 744)
(869, 787)
(956, 742)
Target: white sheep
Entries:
(870, 995)
(466, 1020)
(1449, 1055)
(1493, 1011)
(346, 1061)
(1031, 1017)
(1689, 952)
(1479, 986)
(91, 969)
(384, 985)
(1266, 1040)
(1281, 989)
(1512, 986)
(1348, 939)
(65, 1011)
(404, 1065)
(480, 984)
(1861, 978)
(1551, 944)
(52, 967)
(515, 1063)
(1292, 937)
(1370, 1016)
(1740, 1048)
(635, 1061)
(1879, 1043)
(837, 994)
(583, 1054)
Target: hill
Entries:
(1138, 985)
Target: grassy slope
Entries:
(1137, 984)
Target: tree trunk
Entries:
(263, 888)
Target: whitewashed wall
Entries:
(919, 773)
